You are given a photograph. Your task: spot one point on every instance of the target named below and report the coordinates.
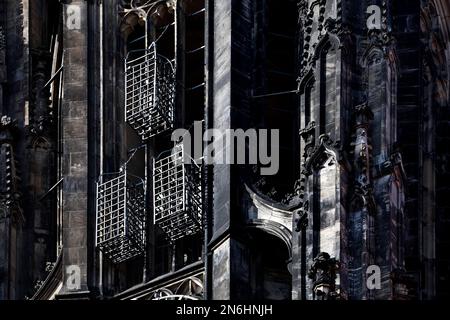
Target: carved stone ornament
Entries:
(323, 272)
(404, 285)
(314, 154)
(2, 39)
(363, 196)
(9, 180)
(308, 136)
(324, 149)
(41, 115)
(7, 128)
(302, 220)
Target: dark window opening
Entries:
(190, 98)
(275, 72)
(327, 91)
(269, 277)
(193, 59)
(308, 104)
(182, 42)
(323, 94)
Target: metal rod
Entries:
(195, 50)
(146, 31)
(162, 33)
(132, 153)
(51, 189)
(286, 74)
(53, 77)
(146, 169)
(280, 35)
(196, 87)
(196, 12)
(143, 37)
(100, 253)
(175, 37)
(136, 40)
(274, 94)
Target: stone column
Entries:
(325, 86)
(381, 226)
(11, 214)
(3, 76)
(229, 256)
(75, 153)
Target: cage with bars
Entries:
(120, 218)
(149, 93)
(177, 200)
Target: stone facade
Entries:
(360, 92)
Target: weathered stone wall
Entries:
(374, 120)
(324, 105)
(15, 277)
(75, 154)
(348, 93)
(435, 131)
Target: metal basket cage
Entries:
(177, 201)
(120, 218)
(149, 93)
